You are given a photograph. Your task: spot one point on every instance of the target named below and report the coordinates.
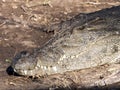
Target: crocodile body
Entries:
(85, 41)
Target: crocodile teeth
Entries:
(54, 68)
(25, 72)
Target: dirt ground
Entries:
(16, 35)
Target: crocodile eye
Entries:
(23, 52)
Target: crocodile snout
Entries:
(23, 62)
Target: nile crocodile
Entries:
(86, 40)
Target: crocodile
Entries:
(85, 41)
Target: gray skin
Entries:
(89, 44)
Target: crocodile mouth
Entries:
(29, 70)
(24, 72)
(37, 71)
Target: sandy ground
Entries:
(16, 36)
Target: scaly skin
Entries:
(76, 45)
